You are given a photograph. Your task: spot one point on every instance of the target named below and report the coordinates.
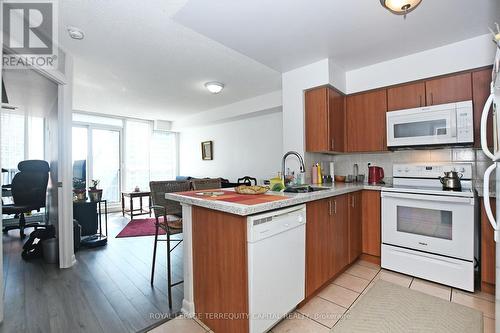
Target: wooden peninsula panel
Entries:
(220, 273)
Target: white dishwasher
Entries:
(276, 265)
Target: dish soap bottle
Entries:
(314, 174)
(276, 183)
(320, 174)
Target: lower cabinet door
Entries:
(319, 256)
(340, 223)
(355, 240)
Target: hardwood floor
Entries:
(107, 290)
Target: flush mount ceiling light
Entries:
(400, 7)
(214, 87)
(75, 33)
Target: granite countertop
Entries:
(291, 199)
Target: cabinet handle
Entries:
(352, 201)
(330, 207)
(432, 99)
(335, 207)
(333, 144)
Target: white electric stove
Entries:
(429, 232)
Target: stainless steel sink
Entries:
(304, 189)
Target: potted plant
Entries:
(79, 189)
(95, 194)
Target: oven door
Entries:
(422, 126)
(441, 225)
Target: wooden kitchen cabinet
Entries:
(449, 89)
(480, 91)
(324, 120)
(406, 96)
(365, 113)
(319, 240)
(220, 271)
(355, 218)
(327, 241)
(340, 225)
(370, 224)
(487, 250)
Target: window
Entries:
(36, 134)
(163, 156)
(22, 137)
(137, 139)
(147, 154)
(96, 119)
(12, 139)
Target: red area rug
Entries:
(140, 227)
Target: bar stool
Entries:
(168, 217)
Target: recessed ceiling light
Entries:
(400, 7)
(214, 87)
(75, 33)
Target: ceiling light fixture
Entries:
(75, 33)
(214, 87)
(400, 7)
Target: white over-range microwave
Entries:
(445, 124)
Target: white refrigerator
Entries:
(493, 103)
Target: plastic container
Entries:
(51, 250)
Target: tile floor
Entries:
(322, 312)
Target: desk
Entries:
(138, 211)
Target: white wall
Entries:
(294, 83)
(245, 108)
(250, 146)
(30, 91)
(463, 55)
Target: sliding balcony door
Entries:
(100, 147)
(106, 162)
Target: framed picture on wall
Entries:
(207, 151)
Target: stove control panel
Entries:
(430, 170)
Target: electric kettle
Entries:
(451, 181)
(375, 174)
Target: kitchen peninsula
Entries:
(216, 258)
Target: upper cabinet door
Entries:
(325, 120)
(365, 128)
(336, 114)
(407, 96)
(317, 122)
(449, 89)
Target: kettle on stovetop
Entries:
(451, 181)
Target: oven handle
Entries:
(423, 197)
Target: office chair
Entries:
(29, 190)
